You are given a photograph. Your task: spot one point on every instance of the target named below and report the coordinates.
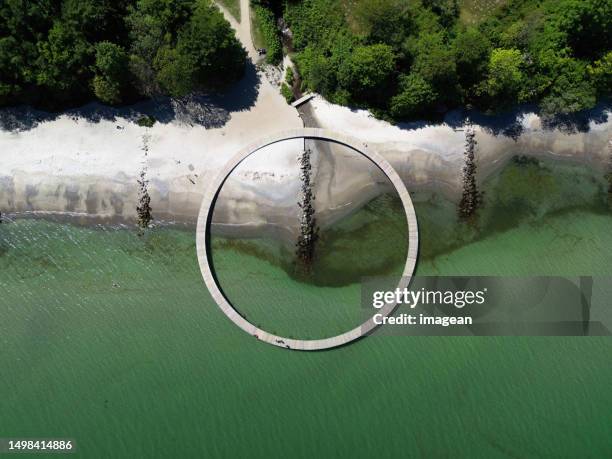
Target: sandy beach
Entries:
(78, 166)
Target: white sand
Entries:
(78, 166)
(263, 191)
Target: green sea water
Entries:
(113, 340)
(327, 301)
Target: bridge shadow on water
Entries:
(212, 110)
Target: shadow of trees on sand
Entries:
(207, 110)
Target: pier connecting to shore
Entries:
(302, 100)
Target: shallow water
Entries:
(259, 277)
(113, 340)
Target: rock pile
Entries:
(308, 226)
(143, 209)
(471, 197)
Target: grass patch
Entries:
(256, 32)
(475, 11)
(233, 6)
(349, 7)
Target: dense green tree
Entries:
(111, 60)
(179, 46)
(447, 10)
(551, 52)
(94, 19)
(416, 95)
(28, 20)
(173, 72)
(516, 35)
(266, 22)
(111, 72)
(315, 23)
(586, 23)
(64, 62)
(368, 71)
(471, 50)
(601, 73)
(317, 71)
(205, 45)
(153, 25)
(64, 52)
(384, 21)
(505, 75)
(108, 91)
(11, 65)
(434, 60)
(568, 96)
(570, 90)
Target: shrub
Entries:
(266, 23)
(146, 121)
(289, 77)
(287, 93)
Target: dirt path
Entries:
(242, 28)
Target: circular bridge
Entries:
(203, 239)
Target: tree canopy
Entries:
(556, 53)
(57, 53)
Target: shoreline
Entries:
(75, 167)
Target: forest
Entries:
(61, 53)
(402, 59)
(406, 59)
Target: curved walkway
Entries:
(203, 240)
